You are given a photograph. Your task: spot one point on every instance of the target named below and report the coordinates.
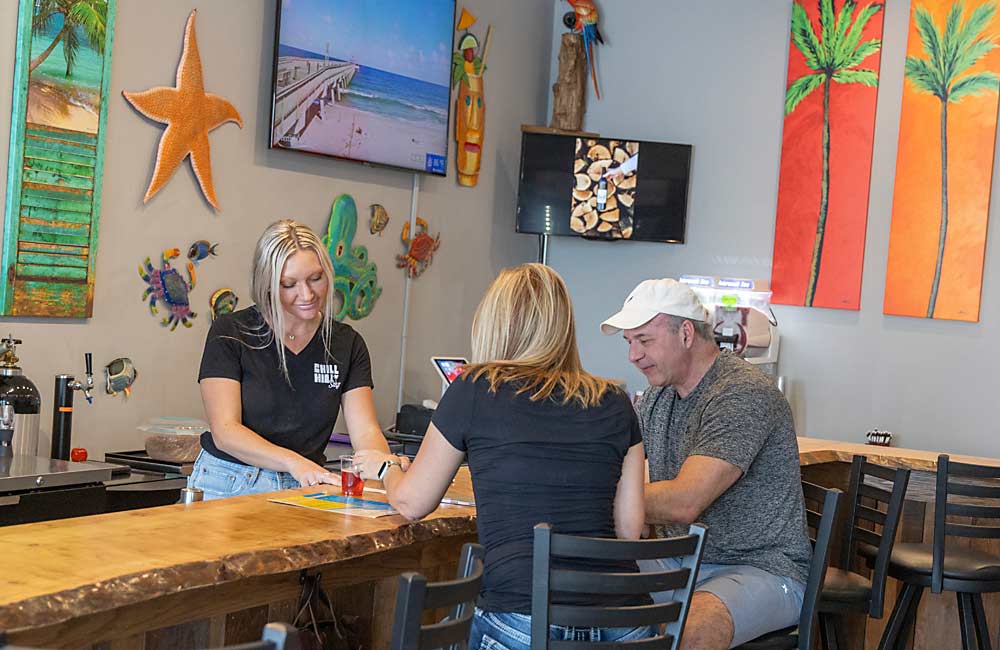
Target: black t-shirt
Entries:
(299, 417)
(535, 462)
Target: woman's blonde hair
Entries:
(524, 332)
(281, 240)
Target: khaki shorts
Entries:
(758, 602)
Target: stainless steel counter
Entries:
(21, 473)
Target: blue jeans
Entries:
(507, 631)
(219, 478)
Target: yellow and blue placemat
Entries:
(340, 504)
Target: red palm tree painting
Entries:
(826, 154)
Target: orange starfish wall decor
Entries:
(189, 113)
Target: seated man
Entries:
(722, 451)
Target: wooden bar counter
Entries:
(813, 451)
(214, 572)
(828, 463)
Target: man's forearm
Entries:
(666, 503)
(700, 481)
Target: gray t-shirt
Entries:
(738, 415)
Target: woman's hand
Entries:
(309, 473)
(370, 461)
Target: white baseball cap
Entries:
(652, 297)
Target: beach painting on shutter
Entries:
(58, 119)
(826, 153)
(944, 161)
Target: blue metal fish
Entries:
(200, 250)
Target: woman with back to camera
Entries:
(274, 376)
(546, 442)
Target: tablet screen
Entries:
(449, 367)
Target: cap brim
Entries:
(628, 318)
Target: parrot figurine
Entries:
(584, 20)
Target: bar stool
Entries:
(415, 595)
(844, 590)
(671, 615)
(968, 572)
(803, 636)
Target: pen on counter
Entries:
(458, 502)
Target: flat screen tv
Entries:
(603, 188)
(364, 80)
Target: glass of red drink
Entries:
(351, 483)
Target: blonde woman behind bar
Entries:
(546, 442)
(275, 375)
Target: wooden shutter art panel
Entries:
(56, 158)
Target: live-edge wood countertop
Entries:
(813, 451)
(59, 570)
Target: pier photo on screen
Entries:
(365, 80)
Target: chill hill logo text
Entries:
(325, 373)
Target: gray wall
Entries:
(477, 225)
(257, 186)
(712, 74)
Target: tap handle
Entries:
(89, 359)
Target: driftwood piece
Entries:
(570, 88)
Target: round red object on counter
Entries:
(78, 454)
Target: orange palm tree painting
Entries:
(826, 153)
(944, 165)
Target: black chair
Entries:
(276, 636)
(546, 580)
(844, 590)
(968, 572)
(415, 595)
(803, 636)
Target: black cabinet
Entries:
(52, 503)
(142, 490)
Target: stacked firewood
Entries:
(602, 208)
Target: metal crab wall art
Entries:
(168, 287)
(420, 250)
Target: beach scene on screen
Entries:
(365, 80)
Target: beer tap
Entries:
(62, 411)
(89, 379)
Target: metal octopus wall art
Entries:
(356, 279)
